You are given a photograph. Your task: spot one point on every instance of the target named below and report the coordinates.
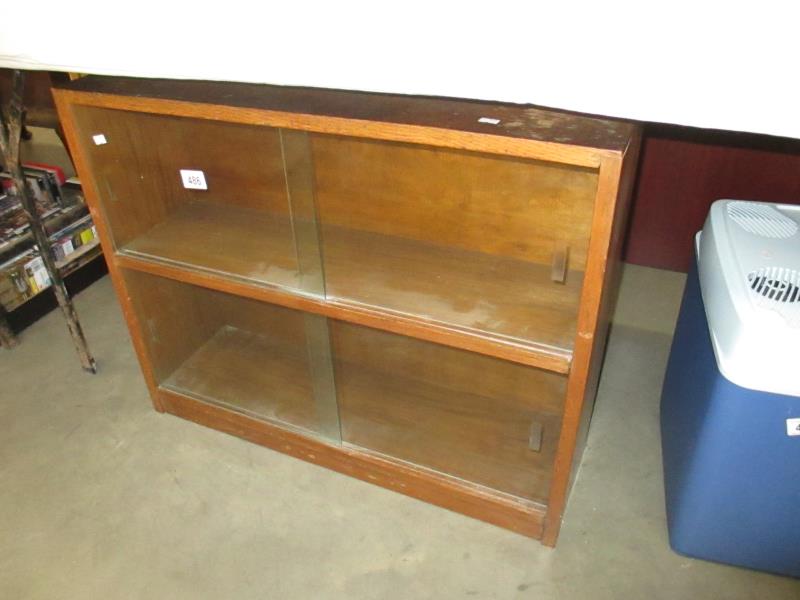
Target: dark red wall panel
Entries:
(682, 171)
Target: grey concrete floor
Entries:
(101, 497)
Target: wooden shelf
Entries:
(471, 436)
(499, 297)
(243, 243)
(252, 374)
(383, 278)
(80, 257)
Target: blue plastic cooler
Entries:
(731, 454)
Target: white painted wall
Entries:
(718, 65)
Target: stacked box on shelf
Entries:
(66, 220)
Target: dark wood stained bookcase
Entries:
(411, 291)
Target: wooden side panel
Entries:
(447, 492)
(609, 297)
(92, 194)
(616, 176)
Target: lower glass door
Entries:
(481, 419)
(266, 361)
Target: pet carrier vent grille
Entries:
(761, 220)
(778, 289)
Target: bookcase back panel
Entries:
(260, 359)
(478, 418)
(500, 205)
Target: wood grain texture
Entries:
(474, 501)
(496, 205)
(244, 243)
(516, 121)
(494, 296)
(249, 372)
(463, 207)
(613, 195)
(524, 131)
(608, 299)
(497, 297)
(457, 412)
(174, 318)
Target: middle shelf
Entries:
(496, 296)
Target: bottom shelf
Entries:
(524, 517)
(251, 373)
(463, 415)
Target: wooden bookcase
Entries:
(411, 291)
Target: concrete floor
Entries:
(101, 497)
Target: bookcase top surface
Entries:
(508, 120)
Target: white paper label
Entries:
(99, 139)
(193, 180)
(489, 121)
(67, 247)
(792, 426)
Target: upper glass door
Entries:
(214, 196)
(481, 242)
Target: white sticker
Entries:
(193, 180)
(792, 426)
(99, 139)
(489, 121)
